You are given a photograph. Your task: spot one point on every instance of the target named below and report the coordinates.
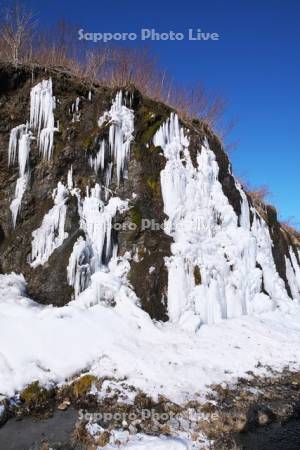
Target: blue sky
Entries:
(255, 66)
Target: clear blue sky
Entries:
(255, 66)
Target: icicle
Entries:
(51, 233)
(96, 221)
(78, 269)
(273, 284)
(75, 110)
(97, 249)
(19, 192)
(206, 235)
(121, 129)
(20, 143)
(296, 266)
(293, 274)
(13, 142)
(70, 179)
(245, 210)
(98, 162)
(42, 105)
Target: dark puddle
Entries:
(272, 437)
(30, 433)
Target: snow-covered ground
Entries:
(50, 344)
(220, 327)
(144, 442)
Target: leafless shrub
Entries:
(292, 228)
(259, 195)
(56, 48)
(112, 66)
(16, 34)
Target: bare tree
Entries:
(112, 66)
(16, 33)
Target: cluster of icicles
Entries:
(231, 255)
(42, 105)
(95, 248)
(116, 151)
(233, 258)
(90, 253)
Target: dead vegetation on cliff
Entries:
(23, 42)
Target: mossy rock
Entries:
(138, 152)
(91, 138)
(149, 132)
(136, 216)
(35, 396)
(154, 184)
(88, 141)
(83, 385)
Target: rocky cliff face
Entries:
(87, 177)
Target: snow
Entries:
(123, 439)
(144, 442)
(103, 329)
(123, 341)
(51, 233)
(42, 105)
(207, 234)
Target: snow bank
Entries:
(144, 442)
(123, 342)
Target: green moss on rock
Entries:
(154, 185)
(136, 216)
(149, 132)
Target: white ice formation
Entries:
(120, 119)
(234, 261)
(19, 146)
(293, 272)
(92, 254)
(42, 105)
(51, 234)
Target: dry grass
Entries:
(258, 195)
(21, 41)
